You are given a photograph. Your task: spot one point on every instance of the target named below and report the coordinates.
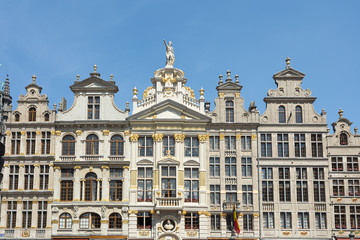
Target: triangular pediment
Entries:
(94, 83)
(289, 73)
(229, 86)
(169, 110)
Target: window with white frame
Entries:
(319, 184)
(145, 184)
(245, 143)
(145, 147)
(11, 215)
(316, 145)
(340, 217)
(354, 187)
(214, 166)
(338, 187)
(44, 177)
(285, 220)
(214, 143)
(45, 142)
(15, 143)
(246, 167)
(301, 185)
(266, 145)
(27, 214)
(247, 194)
(90, 221)
(144, 220)
(320, 220)
(191, 184)
(352, 164)
(230, 143)
(355, 217)
(215, 194)
(303, 220)
(267, 184)
(168, 181)
(268, 220)
(42, 214)
(215, 222)
(30, 142)
(231, 193)
(283, 145)
(65, 221)
(29, 177)
(248, 222)
(14, 177)
(168, 146)
(284, 185)
(337, 164)
(230, 167)
(191, 147)
(300, 145)
(93, 107)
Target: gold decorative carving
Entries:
(206, 213)
(91, 168)
(221, 95)
(237, 95)
(75, 221)
(104, 167)
(125, 221)
(58, 133)
(183, 212)
(6, 165)
(339, 199)
(106, 132)
(157, 137)
(144, 233)
(104, 221)
(135, 91)
(25, 233)
(78, 132)
(134, 137)
(51, 165)
(36, 165)
(203, 137)
(127, 132)
(355, 199)
(222, 136)
(23, 132)
(179, 137)
(183, 116)
(303, 233)
(286, 233)
(8, 133)
(133, 212)
(152, 211)
(21, 165)
(52, 132)
(253, 136)
(191, 234)
(238, 136)
(77, 167)
(256, 215)
(57, 168)
(126, 167)
(38, 132)
(154, 116)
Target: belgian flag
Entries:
(236, 223)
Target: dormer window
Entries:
(229, 111)
(93, 107)
(32, 114)
(17, 117)
(46, 117)
(298, 114)
(343, 139)
(282, 114)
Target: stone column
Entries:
(98, 189)
(79, 150)
(57, 183)
(105, 184)
(53, 145)
(133, 169)
(105, 146)
(202, 171)
(51, 177)
(19, 208)
(6, 181)
(204, 224)
(133, 223)
(77, 188)
(126, 184)
(179, 155)
(83, 189)
(36, 177)
(3, 213)
(21, 177)
(34, 215)
(38, 142)
(23, 142)
(158, 137)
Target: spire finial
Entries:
(135, 91)
(340, 112)
(228, 79)
(356, 130)
(33, 78)
(95, 67)
(236, 78)
(287, 60)
(202, 91)
(77, 77)
(220, 79)
(127, 104)
(111, 77)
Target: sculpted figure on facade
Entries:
(170, 56)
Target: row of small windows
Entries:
(298, 114)
(32, 116)
(90, 221)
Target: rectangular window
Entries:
(116, 172)
(231, 193)
(283, 145)
(145, 184)
(246, 167)
(168, 181)
(355, 217)
(230, 143)
(352, 164)
(267, 185)
(354, 187)
(168, 146)
(337, 164)
(67, 173)
(338, 188)
(30, 142)
(229, 111)
(245, 143)
(284, 185)
(115, 190)
(144, 220)
(191, 184)
(45, 142)
(215, 222)
(14, 177)
(247, 194)
(42, 214)
(268, 219)
(319, 185)
(15, 143)
(93, 107)
(230, 167)
(11, 215)
(191, 221)
(316, 145)
(214, 143)
(248, 222)
(26, 214)
(44, 177)
(29, 177)
(215, 194)
(266, 145)
(214, 167)
(191, 147)
(300, 145)
(145, 147)
(340, 217)
(303, 220)
(320, 220)
(285, 220)
(66, 191)
(301, 185)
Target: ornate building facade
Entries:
(174, 169)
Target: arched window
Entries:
(90, 187)
(32, 114)
(343, 139)
(89, 220)
(229, 111)
(92, 145)
(115, 221)
(298, 114)
(282, 114)
(65, 221)
(117, 145)
(17, 117)
(47, 117)
(68, 145)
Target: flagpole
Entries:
(233, 236)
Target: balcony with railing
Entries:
(229, 206)
(268, 206)
(40, 233)
(67, 158)
(116, 158)
(92, 157)
(9, 233)
(230, 153)
(231, 180)
(169, 203)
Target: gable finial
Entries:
(287, 60)
(228, 79)
(95, 67)
(220, 79)
(340, 112)
(236, 78)
(33, 78)
(77, 77)
(111, 77)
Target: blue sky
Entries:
(57, 40)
